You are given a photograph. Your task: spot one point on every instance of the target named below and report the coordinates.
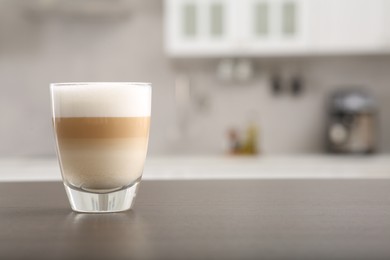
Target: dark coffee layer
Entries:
(102, 127)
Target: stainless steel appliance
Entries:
(351, 124)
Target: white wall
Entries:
(56, 49)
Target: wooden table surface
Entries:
(232, 219)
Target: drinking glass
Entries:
(101, 131)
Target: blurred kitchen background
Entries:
(255, 76)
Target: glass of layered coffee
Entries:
(101, 132)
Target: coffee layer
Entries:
(102, 164)
(102, 127)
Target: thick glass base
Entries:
(89, 202)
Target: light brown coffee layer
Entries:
(102, 127)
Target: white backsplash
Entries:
(60, 50)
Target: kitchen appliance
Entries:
(351, 127)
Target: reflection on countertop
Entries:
(220, 167)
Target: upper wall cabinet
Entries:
(274, 27)
(348, 26)
(199, 27)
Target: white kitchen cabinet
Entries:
(273, 26)
(225, 27)
(348, 26)
(276, 27)
(199, 27)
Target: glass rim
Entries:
(115, 84)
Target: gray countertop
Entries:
(209, 219)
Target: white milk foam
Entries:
(101, 99)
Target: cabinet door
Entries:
(220, 18)
(345, 26)
(199, 27)
(274, 26)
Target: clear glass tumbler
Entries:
(102, 132)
